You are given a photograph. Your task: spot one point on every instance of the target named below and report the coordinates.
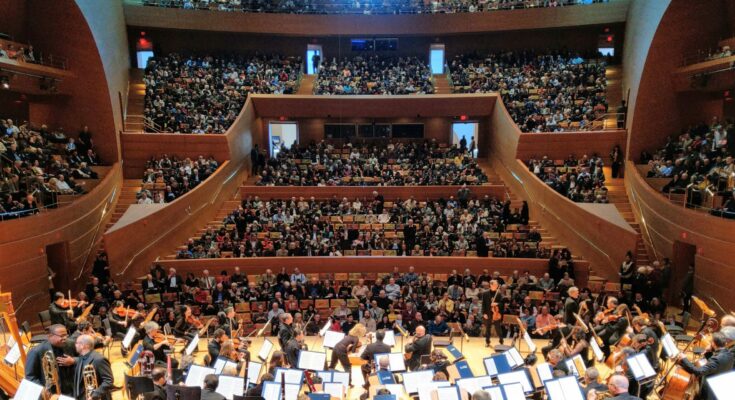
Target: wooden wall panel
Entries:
(23, 263)
(443, 265)
(390, 193)
(138, 148)
(559, 145)
(329, 25)
(666, 223)
(583, 232)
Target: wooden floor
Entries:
(474, 350)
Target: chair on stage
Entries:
(137, 385)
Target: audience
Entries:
(392, 164)
(699, 162)
(362, 7)
(206, 94)
(374, 75)
(553, 92)
(170, 178)
(579, 180)
(39, 164)
(301, 227)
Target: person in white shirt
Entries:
(297, 276)
(144, 199)
(392, 289)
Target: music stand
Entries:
(137, 385)
(180, 392)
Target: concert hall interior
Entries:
(358, 199)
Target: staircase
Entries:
(618, 197)
(441, 84)
(306, 87)
(127, 197)
(134, 121)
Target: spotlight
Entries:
(5, 82)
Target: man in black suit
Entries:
(159, 385)
(377, 347)
(420, 346)
(211, 382)
(61, 315)
(103, 372)
(482, 245)
(173, 281)
(722, 360)
(409, 235)
(214, 345)
(294, 347)
(571, 307)
(64, 353)
(378, 202)
(489, 298)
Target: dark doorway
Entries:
(683, 256)
(57, 258)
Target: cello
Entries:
(680, 384)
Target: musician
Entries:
(159, 385)
(633, 385)
(421, 345)
(64, 353)
(184, 326)
(257, 390)
(215, 345)
(377, 347)
(278, 360)
(592, 382)
(612, 327)
(211, 382)
(490, 298)
(350, 343)
(439, 362)
(285, 329)
(157, 348)
(226, 321)
(298, 322)
(313, 327)
(617, 385)
(85, 328)
(89, 357)
(60, 314)
(555, 359)
(293, 348)
(571, 307)
(721, 361)
(651, 347)
(577, 344)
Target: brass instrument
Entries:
(50, 372)
(89, 376)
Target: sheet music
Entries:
(516, 377)
(599, 355)
(254, 372)
(514, 391)
(471, 385)
(396, 362)
(325, 328)
(412, 380)
(496, 393)
(221, 363)
(326, 376)
(669, 346)
(514, 357)
(14, 354)
(265, 349)
(292, 376)
(544, 371)
(271, 391)
(341, 377)
(640, 367)
(230, 385)
(426, 389)
(195, 377)
(334, 389)
(390, 338)
(572, 368)
(292, 391)
(565, 388)
(722, 385)
(128, 339)
(331, 338)
(497, 364)
(448, 393)
(529, 342)
(28, 390)
(312, 360)
(192, 345)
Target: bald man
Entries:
(421, 345)
(103, 372)
(617, 386)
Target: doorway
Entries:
(682, 256)
(468, 132)
(314, 58)
(57, 260)
(436, 59)
(282, 135)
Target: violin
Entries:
(194, 321)
(159, 337)
(73, 303)
(548, 328)
(125, 312)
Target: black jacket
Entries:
(208, 394)
(158, 393)
(571, 306)
(374, 348)
(213, 349)
(292, 350)
(421, 346)
(34, 369)
(104, 376)
(720, 361)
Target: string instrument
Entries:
(126, 312)
(159, 337)
(85, 313)
(70, 302)
(548, 328)
(703, 339)
(494, 307)
(638, 310)
(203, 329)
(149, 316)
(194, 321)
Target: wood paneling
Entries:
(424, 24)
(23, 265)
(666, 223)
(583, 232)
(442, 265)
(390, 193)
(560, 145)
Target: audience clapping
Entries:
(374, 75)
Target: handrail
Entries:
(563, 221)
(96, 232)
(22, 303)
(645, 225)
(151, 243)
